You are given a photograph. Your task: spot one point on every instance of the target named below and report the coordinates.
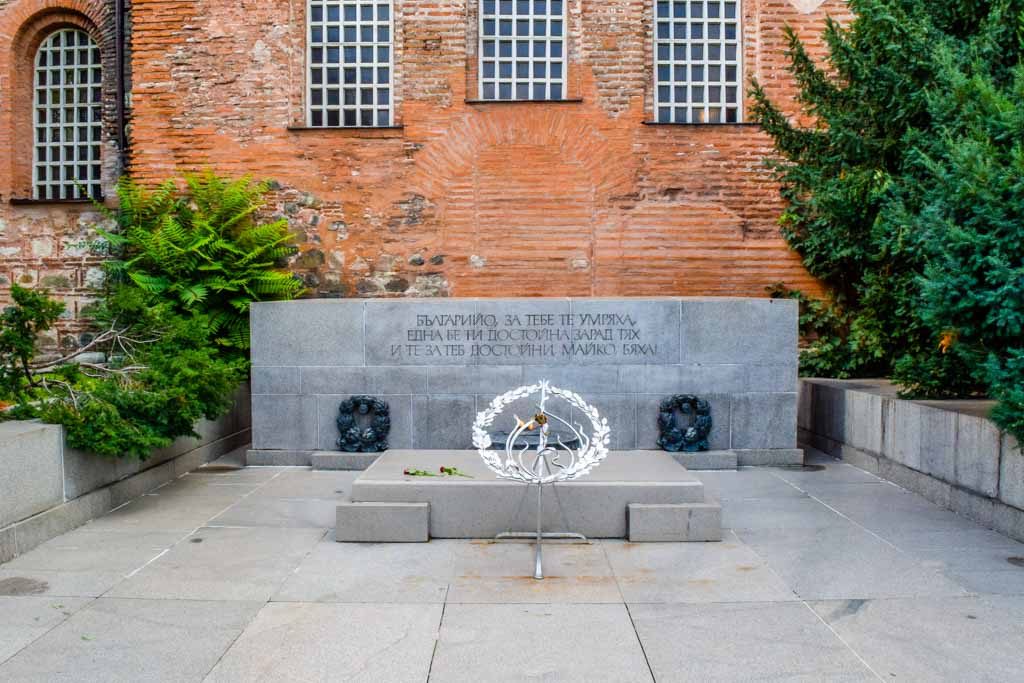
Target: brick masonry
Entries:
(561, 199)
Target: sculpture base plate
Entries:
(484, 506)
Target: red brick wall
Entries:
(576, 198)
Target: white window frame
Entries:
(69, 161)
(531, 81)
(375, 107)
(738, 63)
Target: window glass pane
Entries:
(697, 61)
(68, 117)
(352, 39)
(527, 63)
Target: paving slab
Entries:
(89, 550)
(502, 572)
(693, 572)
(733, 642)
(372, 572)
(133, 640)
(304, 483)
(778, 514)
(296, 513)
(27, 618)
(322, 642)
(174, 509)
(832, 474)
(831, 563)
(223, 564)
(890, 509)
(747, 483)
(944, 639)
(86, 584)
(977, 538)
(584, 643)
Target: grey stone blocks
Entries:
(31, 474)
(439, 361)
(947, 451)
(383, 522)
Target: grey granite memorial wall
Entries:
(438, 361)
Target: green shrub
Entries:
(172, 320)
(203, 250)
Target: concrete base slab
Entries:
(383, 522)
(482, 506)
(682, 522)
(337, 460)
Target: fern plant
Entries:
(204, 249)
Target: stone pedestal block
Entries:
(383, 522)
(681, 522)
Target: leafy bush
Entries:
(172, 322)
(203, 250)
(905, 197)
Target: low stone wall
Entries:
(947, 451)
(438, 362)
(47, 488)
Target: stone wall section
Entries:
(438, 362)
(947, 451)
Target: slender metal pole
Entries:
(538, 568)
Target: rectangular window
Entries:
(350, 62)
(697, 61)
(522, 49)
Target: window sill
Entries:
(352, 131)
(709, 124)
(569, 100)
(21, 201)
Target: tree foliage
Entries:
(32, 314)
(906, 196)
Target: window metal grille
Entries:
(68, 117)
(522, 49)
(350, 46)
(697, 61)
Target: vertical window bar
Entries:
(698, 71)
(66, 123)
(350, 63)
(522, 49)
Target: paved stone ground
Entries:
(823, 575)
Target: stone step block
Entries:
(337, 460)
(651, 523)
(707, 460)
(383, 523)
(261, 457)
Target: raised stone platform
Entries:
(673, 503)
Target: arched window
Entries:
(67, 117)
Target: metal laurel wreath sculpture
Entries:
(559, 462)
(553, 461)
